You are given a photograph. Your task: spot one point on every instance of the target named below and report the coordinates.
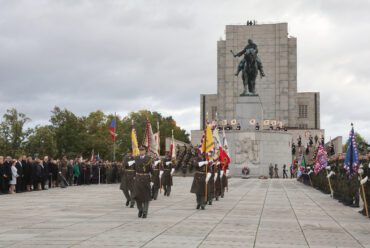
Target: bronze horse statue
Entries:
(249, 68)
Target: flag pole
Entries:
(363, 195)
(159, 165)
(331, 189)
(205, 149)
(114, 138)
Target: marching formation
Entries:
(145, 174)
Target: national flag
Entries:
(135, 146)
(98, 158)
(321, 159)
(156, 141)
(352, 160)
(112, 128)
(92, 156)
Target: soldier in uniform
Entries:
(211, 184)
(157, 174)
(218, 183)
(168, 170)
(200, 180)
(142, 191)
(127, 178)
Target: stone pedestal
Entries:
(248, 108)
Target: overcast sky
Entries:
(127, 55)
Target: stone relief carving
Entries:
(246, 151)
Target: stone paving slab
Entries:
(254, 213)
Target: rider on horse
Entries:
(251, 45)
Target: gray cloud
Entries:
(122, 56)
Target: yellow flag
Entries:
(135, 148)
(208, 144)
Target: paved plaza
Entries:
(254, 213)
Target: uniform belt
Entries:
(156, 169)
(142, 174)
(130, 170)
(166, 169)
(200, 172)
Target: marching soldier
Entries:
(128, 178)
(223, 175)
(168, 170)
(218, 183)
(200, 180)
(142, 191)
(211, 184)
(157, 174)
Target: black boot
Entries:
(144, 216)
(198, 206)
(127, 203)
(140, 214)
(132, 204)
(202, 207)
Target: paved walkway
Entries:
(254, 213)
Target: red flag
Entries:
(224, 159)
(93, 156)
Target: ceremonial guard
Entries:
(218, 181)
(157, 174)
(200, 179)
(128, 178)
(211, 184)
(142, 191)
(168, 170)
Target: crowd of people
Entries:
(28, 174)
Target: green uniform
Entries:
(167, 177)
(199, 182)
(142, 190)
(155, 181)
(127, 180)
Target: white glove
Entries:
(151, 184)
(216, 175)
(200, 164)
(160, 173)
(222, 173)
(172, 171)
(168, 163)
(364, 180)
(209, 174)
(327, 167)
(218, 162)
(130, 163)
(156, 162)
(227, 173)
(360, 171)
(332, 173)
(310, 172)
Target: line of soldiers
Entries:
(214, 175)
(143, 177)
(346, 188)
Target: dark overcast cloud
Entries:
(122, 56)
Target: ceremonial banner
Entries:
(135, 148)
(321, 159)
(149, 141)
(207, 145)
(352, 160)
(92, 156)
(173, 147)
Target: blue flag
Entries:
(352, 161)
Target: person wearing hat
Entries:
(168, 170)
(142, 190)
(128, 178)
(200, 180)
(157, 174)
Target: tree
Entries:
(12, 133)
(70, 132)
(362, 145)
(42, 142)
